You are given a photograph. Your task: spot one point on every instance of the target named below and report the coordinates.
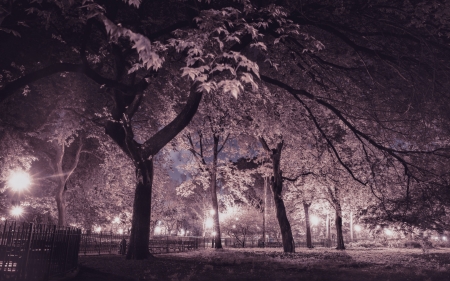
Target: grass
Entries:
(260, 264)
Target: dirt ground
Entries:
(259, 264)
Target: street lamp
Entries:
(357, 228)
(19, 181)
(212, 212)
(209, 223)
(16, 211)
(314, 220)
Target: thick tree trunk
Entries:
(140, 223)
(265, 212)
(277, 188)
(61, 204)
(339, 236)
(308, 226)
(215, 203)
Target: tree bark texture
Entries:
(277, 188)
(265, 212)
(140, 223)
(339, 237)
(120, 130)
(215, 203)
(308, 226)
(63, 177)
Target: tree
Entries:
(350, 73)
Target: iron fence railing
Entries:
(37, 252)
(108, 243)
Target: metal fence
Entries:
(109, 243)
(37, 252)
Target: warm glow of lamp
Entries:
(314, 220)
(116, 220)
(19, 181)
(209, 223)
(157, 230)
(98, 229)
(388, 232)
(212, 212)
(357, 228)
(16, 211)
(120, 231)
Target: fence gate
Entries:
(37, 252)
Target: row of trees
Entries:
(344, 97)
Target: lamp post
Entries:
(314, 221)
(18, 182)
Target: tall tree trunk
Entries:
(277, 188)
(338, 222)
(61, 203)
(308, 226)
(140, 222)
(63, 177)
(215, 203)
(265, 212)
(351, 226)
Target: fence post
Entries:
(100, 244)
(167, 244)
(27, 251)
(51, 254)
(67, 248)
(110, 241)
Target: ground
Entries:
(258, 264)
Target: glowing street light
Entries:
(19, 181)
(98, 229)
(116, 220)
(120, 231)
(209, 223)
(314, 220)
(212, 212)
(388, 232)
(157, 230)
(214, 233)
(357, 228)
(16, 211)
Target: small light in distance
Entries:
(116, 220)
(234, 226)
(212, 212)
(182, 231)
(357, 228)
(214, 233)
(388, 232)
(157, 230)
(314, 220)
(16, 211)
(120, 231)
(19, 181)
(98, 229)
(209, 223)
(3, 218)
(444, 238)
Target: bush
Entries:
(365, 244)
(412, 244)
